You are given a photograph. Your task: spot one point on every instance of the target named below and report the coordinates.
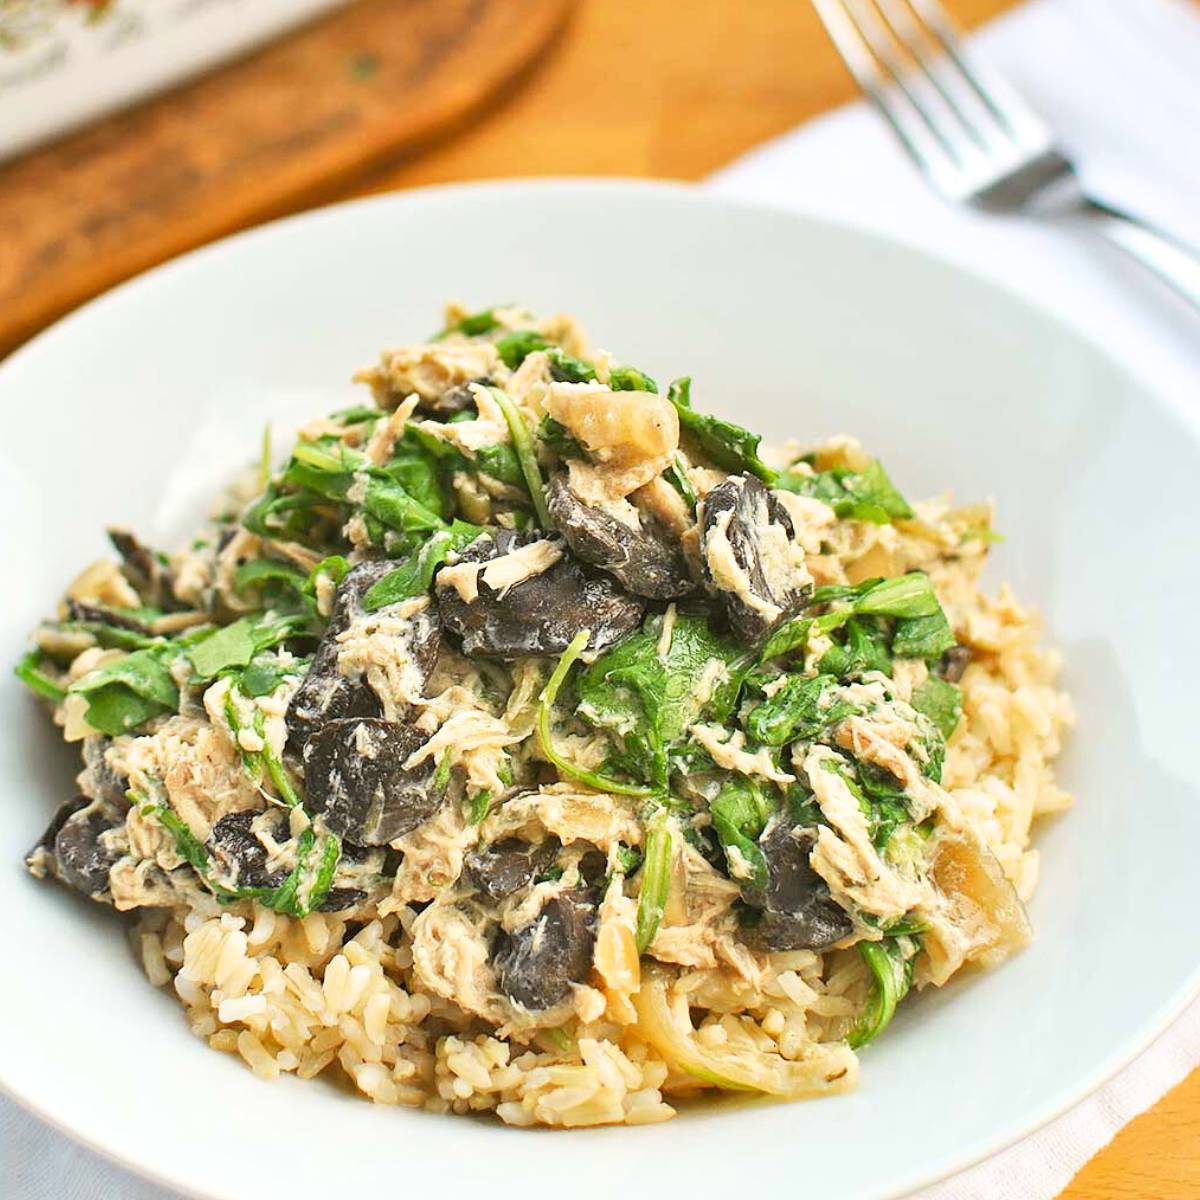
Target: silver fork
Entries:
(975, 138)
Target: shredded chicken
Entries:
(726, 748)
(379, 647)
(428, 370)
(503, 572)
(844, 855)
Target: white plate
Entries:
(792, 327)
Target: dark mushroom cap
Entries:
(141, 566)
(453, 400)
(537, 963)
(354, 773)
(75, 854)
(325, 694)
(643, 560)
(753, 509)
(507, 866)
(66, 809)
(796, 909)
(97, 614)
(104, 780)
(542, 614)
(953, 664)
(339, 898)
(238, 859)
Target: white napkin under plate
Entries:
(1119, 80)
(1117, 77)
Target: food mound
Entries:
(531, 744)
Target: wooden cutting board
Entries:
(286, 127)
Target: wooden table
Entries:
(653, 87)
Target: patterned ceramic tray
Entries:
(63, 62)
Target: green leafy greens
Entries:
(131, 690)
(867, 495)
(648, 699)
(739, 814)
(891, 965)
(728, 445)
(415, 575)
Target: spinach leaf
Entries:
(111, 637)
(555, 436)
(478, 806)
(905, 596)
(526, 456)
(934, 746)
(549, 695)
(739, 814)
(908, 597)
(131, 690)
(868, 495)
(187, 845)
(118, 709)
(882, 801)
(473, 325)
(941, 702)
(388, 502)
(791, 635)
(564, 368)
(335, 476)
(865, 649)
(334, 567)
(287, 515)
(280, 584)
(802, 806)
(927, 637)
(630, 379)
(416, 471)
(415, 575)
(234, 645)
(357, 414)
(891, 964)
(729, 446)
(650, 699)
(498, 461)
(331, 853)
(628, 859)
(676, 476)
(263, 675)
(29, 673)
(514, 347)
(656, 880)
(802, 708)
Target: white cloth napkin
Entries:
(1120, 81)
(1118, 78)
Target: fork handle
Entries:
(1173, 261)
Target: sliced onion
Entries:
(831, 1068)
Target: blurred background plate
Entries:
(63, 62)
(295, 123)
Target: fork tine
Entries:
(911, 125)
(906, 66)
(958, 96)
(993, 91)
